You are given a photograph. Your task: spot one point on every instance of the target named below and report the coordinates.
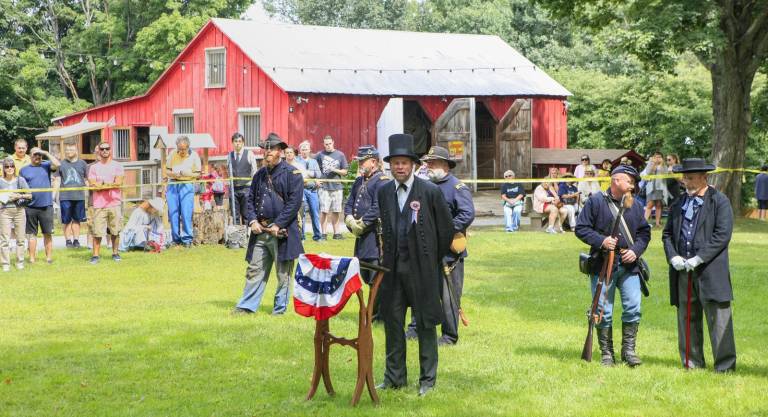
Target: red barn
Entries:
(473, 94)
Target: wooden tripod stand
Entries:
(363, 343)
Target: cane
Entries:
(688, 321)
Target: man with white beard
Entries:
(459, 199)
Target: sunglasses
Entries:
(585, 159)
(9, 167)
(105, 149)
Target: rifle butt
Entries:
(586, 352)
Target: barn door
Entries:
(514, 133)
(455, 131)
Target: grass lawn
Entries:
(153, 336)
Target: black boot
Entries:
(605, 340)
(628, 339)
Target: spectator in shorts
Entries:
(40, 210)
(12, 214)
(761, 192)
(569, 195)
(333, 165)
(655, 188)
(184, 165)
(513, 195)
(547, 202)
(108, 175)
(20, 157)
(73, 173)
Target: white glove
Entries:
(678, 262)
(349, 220)
(358, 227)
(692, 263)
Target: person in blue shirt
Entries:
(761, 192)
(513, 195)
(569, 194)
(40, 209)
(459, 199)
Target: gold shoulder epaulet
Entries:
(460, 185)
(384, 177)
(297, 171)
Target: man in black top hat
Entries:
(593, 227)
(416, 234)
(459, 199)
(696, 239)
(361, 211)
(276, 194)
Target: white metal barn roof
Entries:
(381, 62)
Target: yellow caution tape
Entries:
(467, 181)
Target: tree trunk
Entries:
(731, 87)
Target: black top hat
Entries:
(438, 152)
(693, 165)
(367, 151)
(273, 141)
(401, 144)
(627, 169)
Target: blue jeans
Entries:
(512, 217)
(629, 287)
(257, 275)
(312, 201)
(181, 204)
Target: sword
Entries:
(447, 270)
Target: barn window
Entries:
(121, 141)
(215, 67)
(183, 121)
(250, 121)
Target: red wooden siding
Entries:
(350, 120)
(215, 109)
(549, 124)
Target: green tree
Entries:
(729, 38)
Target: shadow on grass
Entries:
(574, 354)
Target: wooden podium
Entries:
(363, 343)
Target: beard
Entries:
(436, 174)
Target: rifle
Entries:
(595, 313)
(447, 269)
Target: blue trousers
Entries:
(629, 287)
(257, 275)
(313, 203)
(512, 217)
(181, 204)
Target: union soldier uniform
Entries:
(363, 208)
(696, 239)
(275, 197)
(459, 199)
(416, 234)
(592, 227)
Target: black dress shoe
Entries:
(424, 389)
(385, 386)
(444, 341)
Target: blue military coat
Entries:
(459, 199)
(362, 204)
(594, 224)
(278, 203)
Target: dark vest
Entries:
(241, 168)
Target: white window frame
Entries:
(181, 114)
(121, 143)
(251, 139)
(219, 67)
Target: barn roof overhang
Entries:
(84, 126)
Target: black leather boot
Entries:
(628, 339)
(605, 340)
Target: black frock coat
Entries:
(429, 240)
(713, 234)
